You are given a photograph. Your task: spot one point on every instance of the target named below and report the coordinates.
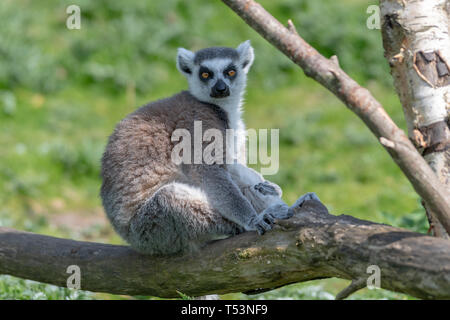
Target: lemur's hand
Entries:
(261, 223)
(268, 188)
(265, 220)
(263, 195)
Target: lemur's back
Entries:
(137, 160)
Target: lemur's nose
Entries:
(220, 86)
(220, 89)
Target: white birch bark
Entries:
(417, 46)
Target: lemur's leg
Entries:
(180, 217)
(177, 218)
(225, 196)
(265, 196)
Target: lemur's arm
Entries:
(244, 176)
(261, 193)
(224, 196)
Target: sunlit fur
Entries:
(160, 207)
(201, 89)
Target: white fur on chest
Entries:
(237, 126)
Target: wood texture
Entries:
(311, 245)
(417, 46)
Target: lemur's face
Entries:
(216, 74)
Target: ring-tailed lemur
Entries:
(160, 207)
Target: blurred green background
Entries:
(62, 92)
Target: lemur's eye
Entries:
(205, 75)
(231, 73)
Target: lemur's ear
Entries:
(185, 61)
(246, 55)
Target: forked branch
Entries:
(358, 99)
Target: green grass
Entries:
(18, 289)
(320, 290)
(62, 92)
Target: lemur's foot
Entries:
(278, 211)
(305, 197)
(268, 188)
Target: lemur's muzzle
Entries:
(220, 90)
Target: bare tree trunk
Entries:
(417, 45)
(311, 245)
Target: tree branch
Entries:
(354, 286)
(313, 244)
(358, 99)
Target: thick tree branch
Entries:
(311, 245)
(354, 286)
(358, 99)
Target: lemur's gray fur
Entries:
(159, 207)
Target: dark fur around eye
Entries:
(205, 70)
(228, 69)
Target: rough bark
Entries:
(311, 245)
(417, 45)
(358, 99)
